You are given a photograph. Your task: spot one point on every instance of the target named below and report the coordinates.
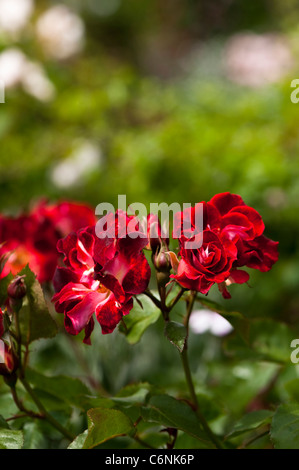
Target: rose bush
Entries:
(102, 272)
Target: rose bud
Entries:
(17, 288)
(161, 262)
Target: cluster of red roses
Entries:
(232, 237)
(102, 273)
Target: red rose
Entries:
(200, 268)
(32, 238)
(66, 216)
(8, 360)
(244, 224)
(231, 235)
(101, 276)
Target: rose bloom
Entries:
(32, 238)
(100, 276)
(231, 236)
(8, 359)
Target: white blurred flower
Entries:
(14, 15)
(202, 321)
(61, 32)
(16, 69)
(36, 83)
(12, 64)
(255, 60)
(72, 171)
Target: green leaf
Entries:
(251, 421)
(35, 320)
(176, 333)
(292, 387)
(285, 427)
(269, 340)
(139, 319)
(79, 441)
(169, 412)
(67, 389)
(105, 424)
(3, 423)
(10, 439)
(236, 319)
(132, 395)
(34, 437)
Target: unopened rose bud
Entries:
(161, 262)
(17, 288)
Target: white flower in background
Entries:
(16, 69)
(255, 60)
(85, 158)
(61, 32)
(36, 83)
(14, 15)
(202, 321)
(12, 63)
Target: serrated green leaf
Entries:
(79, 441)
(169, 412)
(11, 439)
(139, 319)
(251, 421)
(105, 424)
(285, 427)
(176, 333)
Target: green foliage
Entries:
(285, 427)
(34, 317)
(10, 439)
(169, 412)
(105, 424)
(250, 422)
(140, 318)
(176, 333)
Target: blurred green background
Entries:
(161, 100)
